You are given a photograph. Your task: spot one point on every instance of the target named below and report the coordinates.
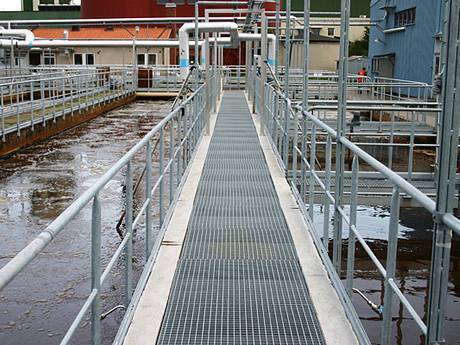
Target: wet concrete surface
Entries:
(36, 185)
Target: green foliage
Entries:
(361, 46)
(358, 7)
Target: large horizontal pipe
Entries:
(184, 44)
(121, 21)
(27, 35)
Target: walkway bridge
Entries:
(231, 250)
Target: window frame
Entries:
(405, 17)
(51, 56)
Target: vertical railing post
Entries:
(311, 181)
(32, 105)
(263, 71)
(390, 266)
(294, 147)
(351, 233)
(148, 197)
(63, 98)
(287, 57)
(327, 187)
(303, 155)
(161, 174)
(18, 128)
(2, 114)
(410, 163)
(42, 95)
(181, 148)
(286, 137)
(172, 150)
(340, 148)
(71, 80)
(446, 180)
(129, 232)
(390, 148)
(96, 271)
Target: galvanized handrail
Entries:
(275, 123)
(185, 125)
(28, 103)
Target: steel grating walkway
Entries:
(238, 279)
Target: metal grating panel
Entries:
(238, 280)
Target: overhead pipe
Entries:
(184, 31)
(271, 38)
(27, 36)
(64, 43)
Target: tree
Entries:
(361, 46)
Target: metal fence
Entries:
(171, 143)
(294, 135)
(35, 100)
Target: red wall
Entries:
(139, 9)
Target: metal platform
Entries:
(238, 279)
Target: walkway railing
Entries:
(171, 144)
(294, 137)
(27, 103)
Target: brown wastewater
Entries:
(38, 183)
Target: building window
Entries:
(406, 17)
(78, 59)
(330, 31)
(141, 59)
(146, 59)
(90, 59)
(315, 31)
(49, 58)
(375, 65)
(152, 59)
(83, 59)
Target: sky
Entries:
(15, 5)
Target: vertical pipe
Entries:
(351, 234)
(327, 187)
(446, 179)
(341, 117)
(148, 196)
(96, 271)
(390, 265)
